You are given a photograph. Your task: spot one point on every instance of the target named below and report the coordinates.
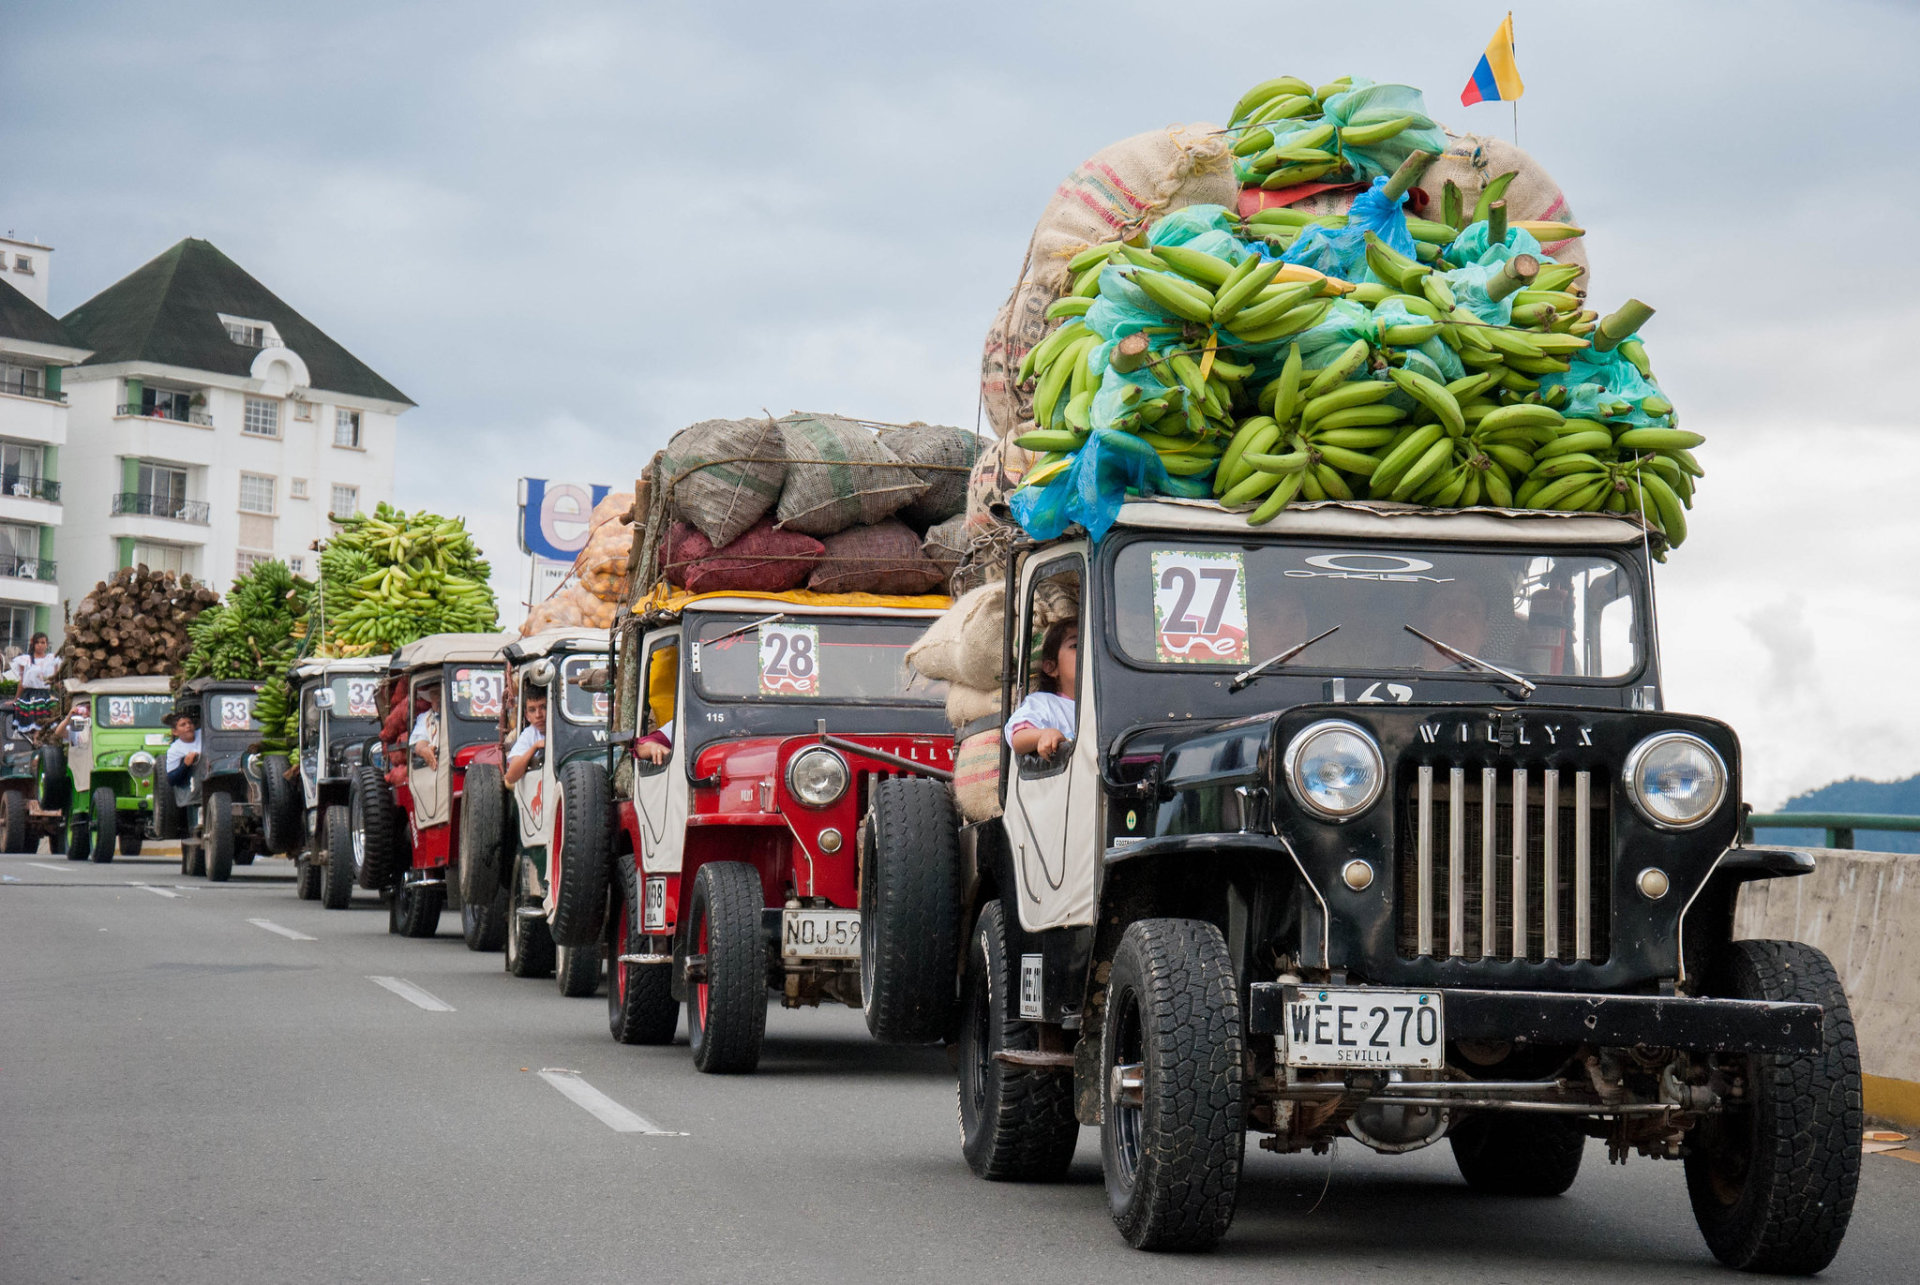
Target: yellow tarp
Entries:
(668, 598)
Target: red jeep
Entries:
(441, 713)
(733, 868)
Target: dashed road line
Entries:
(284, 931)
(599, 1105)
(155, 889)
(414, 995)
(42, 865)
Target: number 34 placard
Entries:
(1199, 607)
(790, 660)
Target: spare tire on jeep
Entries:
(909, 912)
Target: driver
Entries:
(532, 736)
(426, 727)
(1046, 719)
(185, 750)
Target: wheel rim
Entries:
(700, 988)
(622, 930)
(978, 1068)
(357, 830)
(554, 847)
(1125, 1120)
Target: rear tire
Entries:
(375, 829)
(484, 827)
(1772, 1182)
(1172, 1161)
(577, 970)
(909, 912)
(216, 825)
(282, 814)
(1507, 1154)
(13, 821)
(1016, 1125)
(336, 877)
(56, 787)
(166, 809)
(580, 842)
(306, 878)
(414, 911)
(106, 824)
(79, 838)
(131, 839)
(727, 1013)
(529, 944)
(641, 1008)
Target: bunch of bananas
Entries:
(255, 633)
(394, 577)
(1285, 131)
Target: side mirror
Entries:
(540, 673)
(324, 698)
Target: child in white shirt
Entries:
(1045, 720)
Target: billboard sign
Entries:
(553, 517)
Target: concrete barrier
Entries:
(1863, 910)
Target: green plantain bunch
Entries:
(394, 577)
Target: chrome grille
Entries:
(1458, 892)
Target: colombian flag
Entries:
(1496, 79)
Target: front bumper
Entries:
(1616, 1021)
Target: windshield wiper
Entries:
(1246, 676)
(1524, 688)
(751, 624)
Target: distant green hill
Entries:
(1892, 798)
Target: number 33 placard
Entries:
(790, 660)
(1199, 607)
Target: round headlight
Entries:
(817, 777)
(1335, 769)
(140, 764)
(1676, 780)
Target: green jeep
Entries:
(102, 778)
(23, 823)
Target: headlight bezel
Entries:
(140, 764)
(1297, 747)
(1636, 760)
(822, 754)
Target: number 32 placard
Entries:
(790, 660)
(1199, 607)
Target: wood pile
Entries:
(133, 622)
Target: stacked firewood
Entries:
(134, 622)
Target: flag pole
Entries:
(1515, 46)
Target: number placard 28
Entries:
(789, 660)
(1200, 607)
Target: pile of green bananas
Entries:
(1281, 136)
(256, 633)
(394, 577)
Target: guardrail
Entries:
(161, 506)
(1840, 826)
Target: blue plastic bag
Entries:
(1343, 252)
(1189, 222)
(1091, 490)
(1594, 380)
(1367, 103)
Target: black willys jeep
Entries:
(218, 825)
(1374, 824)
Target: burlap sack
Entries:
(764, 559)
(941, 457)
(1107, 198)
(965, 704)
(976, 776)
(996, 475)
(946, 544)
(963, 645)
(724, 499)
(839, 475)
(882, 558)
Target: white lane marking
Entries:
(407, 991)
(59, 870)
(272, 927)
(599, 1105)
(156, 891)
(8, 879)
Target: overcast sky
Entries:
(568, 230)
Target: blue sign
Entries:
(553, 517)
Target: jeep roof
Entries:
(132, 685)
(550, 642)
(449, 649)
(319, 666)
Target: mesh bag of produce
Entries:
(763, 560)
(947, 544)
(882, 558)
(839, 475)
(942, 458)
(996, 475)
(725, 474)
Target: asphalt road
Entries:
(187, 1095)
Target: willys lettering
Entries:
(1496, 731)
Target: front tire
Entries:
(375, 827)
(166, 808)
(581, 841)
(13, 821)
(1171, 1144)
(577, 970)
(106, 824)
(414, 910)
(529, 943)
(282, 816)
(306, 878)
(641, 1008)
(131, 839)
(727, 1010)
(484, 829)
(1506, 1154)
(1016, 1125)
(1772, 1179)
(217, 827)
(56, 787)
(909, 912)
(79, 838)
(336, 878)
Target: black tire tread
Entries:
(306, 878)
(416, 910)
(579, 862)
(166, 809)
(1029, 1131)
(282, 811)
(487, 839)
(216, 828)
(56, 786)
(1506, 1154)
(729, 895)
(13, 818)
(910, 916)
(649, 1014)
(577, 969)
(104, 810)
(336, 878)
(379, 825)
(529, 945)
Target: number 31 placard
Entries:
(790, 660)
(1199, 607)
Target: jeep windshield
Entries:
(356, 702)
(1228, 604)
(813, 659)
(131, 712)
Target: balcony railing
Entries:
(161, 506)
(30, 488)
(21, 388)
(19, 568)
(198, 417)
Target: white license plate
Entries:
(820, 934)
(1348, 1026)
(653, 904)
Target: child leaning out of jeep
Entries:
(1044, 721)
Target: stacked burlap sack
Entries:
(599, 582)
(819, 502)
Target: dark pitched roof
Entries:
(165, 312)
(22, 318)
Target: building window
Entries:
(297, 488)
(256, 493)
(248, 334)
(166, 487)
(346, 427)
(19, 550)
(345, 502)
(263, 418)
(23, 263)
(24, 380)
(303, 410)
(160, 557)
(19, 469)
(16, 622)
(297, 565)
(247, 559)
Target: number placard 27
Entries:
(789, 660)
(1200, 607)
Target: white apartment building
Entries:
(212, 427)
(35, 352)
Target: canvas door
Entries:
(660, 794)
(429, 784)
